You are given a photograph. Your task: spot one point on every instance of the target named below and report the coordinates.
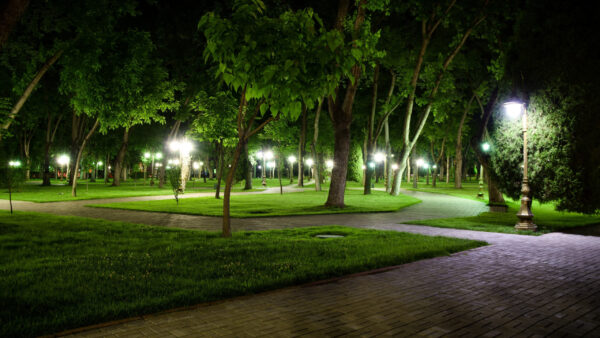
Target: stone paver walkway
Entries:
(517, 286)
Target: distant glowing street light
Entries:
(292, 160)
(514, 109)
(394, 166)
(420, 162)
(329, 164)
(379, 157)
(14, 164)
(485, 147)
(371, 164)
(309, 162)
(63, 160)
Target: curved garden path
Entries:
(518, 285)
(432, 206)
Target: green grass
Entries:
(34, 192)
(545, 217)
(58, 273)
(468, 191)
(299, 203)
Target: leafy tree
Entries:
(275, 64)
(174, 176)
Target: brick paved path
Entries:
(516, 286)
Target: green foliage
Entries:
(355, 163)
(174, 177)
(215, 119)
(284, 60)
(12, 177)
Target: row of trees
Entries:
(348, 78)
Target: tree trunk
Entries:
(388, 156)
(172, 135)
(120, 158)
(248, 179)
(458, 151)
(370, 148)
(106, 170)
(301, 151)
(36, 79)
(415, 168)
(220, 168)
(79, 153)
(341, 116)
(313, 148)
(447, 168)
(226, 231)
(279, 167)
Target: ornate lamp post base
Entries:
(524, 215)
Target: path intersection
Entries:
(518, 285)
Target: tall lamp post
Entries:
(514, 109)
(292, 160)
(485, 147)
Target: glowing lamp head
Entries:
(14, 164)
(379, 157)
(196, 165)
(259, 154)
(63, 159)
(174, 145)
(363, 167)
(485, 147)
(309, 162)
(271, 164)
(147, 155)
(269, 155)
(434, 166)
(420, 162)
(513, 109)
(100, 163)
(185, 147)
(371, 164)
(394, 166)
(329, 164)
(158, 156)
(426, 165)
(292, 159)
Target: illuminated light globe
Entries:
(100, 163)
(196, 165)
(363, 167)
(147, 155)
(309, 162)
(14, 164)
(271, 164)
(485, 147)
(371, 164)
(174, 145)
(63, 159)
(434, 166)
(269, 155)
(394, 166)
(259, 154)
(426, 165)
(291, 159)
(329, 164)
(513, 109)
(158, 156)
(420, 162)
(185, 147)
(379, 157)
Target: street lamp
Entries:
(63, 160)
(329, 164)
(14, 164)
(292, 160)
(485, 147)
(514, 109)
(394, 167)
(309, 163)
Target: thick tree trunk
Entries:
(120, 158)
(106, 170)
(79, 153)
(447, 168)
(36, 79)
(301, 151)
(415, 168)
(220, 168)
(388, 156)
(339, 171)
(226, 231)
(313, 149)
(370, 148)
(248, 173)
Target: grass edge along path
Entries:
(545, 217)
(61, 272)
(268, 205)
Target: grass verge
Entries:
(545, 217)
(261, 205)
(58, 273)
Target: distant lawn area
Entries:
(297, 203)
(545, 217)
(59, 273)
(32, 191)
(468, 191)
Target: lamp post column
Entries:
(480, 193)
(264, 171)
(525, 216)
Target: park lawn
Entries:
(261, 205)
(468, 191)
(545, 217)
(59, 273)
(34, 192)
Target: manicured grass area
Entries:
(299, 203)
(545, 217)
(60, 191)
(58, 273)
(468, 191)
